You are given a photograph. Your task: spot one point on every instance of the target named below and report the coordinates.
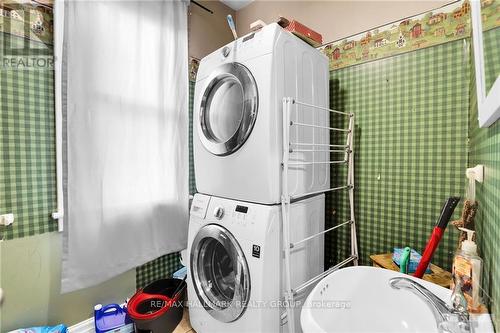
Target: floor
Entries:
(184, 326)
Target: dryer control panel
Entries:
(249, 46)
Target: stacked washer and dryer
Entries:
(235, 249)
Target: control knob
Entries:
(219, 213)
(225, 51)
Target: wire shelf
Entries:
(291, 148)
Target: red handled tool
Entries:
(437, 234)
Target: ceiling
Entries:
(236, 4)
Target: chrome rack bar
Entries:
(326, 162)
(315, 279)
(321, 191)
(318, 144)
(292, 245)
(285, 213)
(286, 198)
(319, 150)
(321, 108)
(350, 181)
(295, 123)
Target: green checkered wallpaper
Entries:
(192, 185)
(485, 149)
(159, 268)
(410, 149)
(27, 146)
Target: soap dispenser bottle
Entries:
(467, 269)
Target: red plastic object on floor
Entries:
(158, 307)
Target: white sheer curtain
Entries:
(125, 151)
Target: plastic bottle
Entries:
(405, 260)
(467, 270)
(112, 318)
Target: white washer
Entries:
(234, 269)
(237, 116)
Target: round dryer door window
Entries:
(220, 273)
(228, 109)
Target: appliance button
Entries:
(219, 213)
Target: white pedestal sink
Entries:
(360, 299)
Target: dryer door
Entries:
(220, 273)
(228, 109)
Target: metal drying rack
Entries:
(286, 198)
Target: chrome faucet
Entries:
(448, 319)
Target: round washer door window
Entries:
(228, 109)
(220, 273)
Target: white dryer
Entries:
(235, 262)
(237, 114)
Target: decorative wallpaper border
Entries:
(445, 24)
(28, 20)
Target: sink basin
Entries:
(360, 299)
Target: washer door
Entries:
(220, 273)
(228, 109)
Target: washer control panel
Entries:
(250, 223)
(232, 212)
(241, 213)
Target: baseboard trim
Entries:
(86, 326)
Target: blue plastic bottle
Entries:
(112, 317)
